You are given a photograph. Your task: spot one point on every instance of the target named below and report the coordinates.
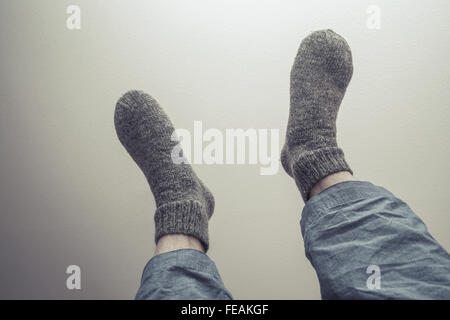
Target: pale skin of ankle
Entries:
(172, 242)
(329, 181)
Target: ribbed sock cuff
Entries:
(183, 217)
(312, 166)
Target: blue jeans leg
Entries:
(184, 274)
(365, 243)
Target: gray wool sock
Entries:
(319, 77)
(184, 205)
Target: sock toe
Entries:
(328, 52)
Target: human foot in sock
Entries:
(319, 77)
(183, 203)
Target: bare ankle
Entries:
(331, 180)
(172, 242)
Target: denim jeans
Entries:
(363, 242)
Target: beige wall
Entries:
(69, 193)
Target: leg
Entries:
(181, 274)
(351, 227)
(180, 268)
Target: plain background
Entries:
(70, 194)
